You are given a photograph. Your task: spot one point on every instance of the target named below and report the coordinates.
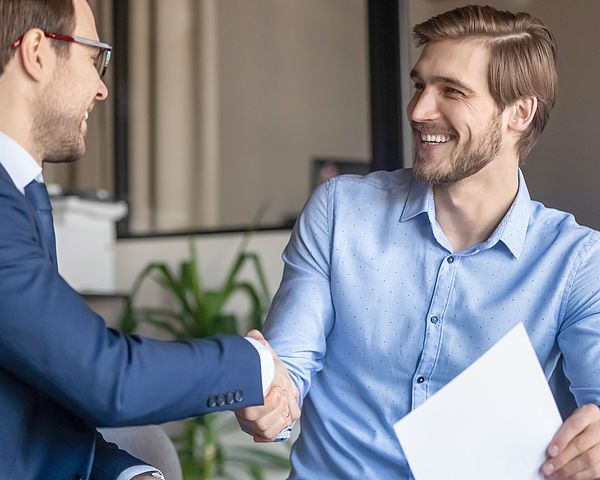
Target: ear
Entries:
(38, 58)
(521, 113)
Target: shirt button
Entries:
(434, 319)
(420, 379)
(450, 259)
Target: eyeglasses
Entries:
(102, 59)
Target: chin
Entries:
(67, 155)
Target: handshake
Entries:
(280, 409)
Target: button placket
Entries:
(433, 329)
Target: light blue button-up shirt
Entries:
(376, 312)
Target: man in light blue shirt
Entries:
(396, 282)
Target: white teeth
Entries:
(435, 138)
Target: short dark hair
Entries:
(20, 16)
(522, 57)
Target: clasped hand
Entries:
(280, 408)
(574, 452)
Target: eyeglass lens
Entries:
(102, 61)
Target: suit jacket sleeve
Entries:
(51, 339)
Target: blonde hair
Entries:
(522, 57)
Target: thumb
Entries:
(256, 335)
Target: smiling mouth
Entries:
(435, 138)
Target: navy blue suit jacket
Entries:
(63, 372)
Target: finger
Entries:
(268, 425)
(272, 400)
(582, 448)
(260, 439)
(583, 466)
(572, 427)
(294, 409)
(293, 389)
(272, 424)
(256, 335)
(581, 444)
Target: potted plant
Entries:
(200, 312)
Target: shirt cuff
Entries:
(137, 470)
(267, 364)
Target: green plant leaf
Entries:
(256, 472)
(256, 310)
(128, 321)
(260, 274)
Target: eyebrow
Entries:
(414, 75)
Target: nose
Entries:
(423, 106)
(102, 93)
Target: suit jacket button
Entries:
(238, 396)
(229, 398)
(212, 401)
(220, 400)
(77, 477)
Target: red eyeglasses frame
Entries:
(105, 49)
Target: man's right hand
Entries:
(280, 408)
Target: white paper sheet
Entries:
(494, 421)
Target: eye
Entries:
(452, 91)
(418, 85)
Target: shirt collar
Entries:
(18, 163)
(419, 200)
(513, 227)
(511, 231)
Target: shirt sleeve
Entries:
(302, 312)
(267, 364)
(138, 470)
(579, 332)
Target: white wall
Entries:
(215, 253)
(293, 84)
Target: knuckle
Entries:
(578, 424)
(587, 458)
(250, 415)
(262, 425)
(580, 445)
(272, 433)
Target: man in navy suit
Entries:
(62, 372)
